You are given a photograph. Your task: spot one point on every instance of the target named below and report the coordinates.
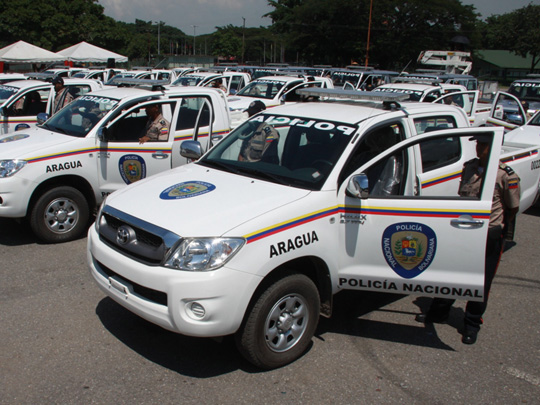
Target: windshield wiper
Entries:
(220, 165)
(265, 175)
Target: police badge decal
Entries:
(409, 248)
(132, 168)
(186, 189)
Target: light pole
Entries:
(158, 34)
(194, 33)
(243, 38)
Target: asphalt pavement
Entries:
(63, 342)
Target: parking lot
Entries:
(63, 341)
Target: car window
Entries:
(434, 123)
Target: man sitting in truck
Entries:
(157, 127)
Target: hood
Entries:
(196, 201)
(30, 143)
(242, 103)
(526, 134)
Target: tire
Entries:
(281, 322)
(59, 215)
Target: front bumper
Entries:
(15, 193)
(166, 297)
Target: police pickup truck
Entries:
(21, 101)
(54, 175)
(298, 203)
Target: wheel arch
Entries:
(311, 266)
(77, 182)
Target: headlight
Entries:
(9, 167)
(203, 254)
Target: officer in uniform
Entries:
(262, 142)
(503, 211)
(157, 127)
(63, 97)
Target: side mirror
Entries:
(41, 118)
(3, 112)
(102, 134)
(516, 119)
(358, 186)
(191, 150)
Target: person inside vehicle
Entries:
(218, 84)
(261, 144)
(157, 127)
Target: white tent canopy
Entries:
(85, 52)
(23, 52)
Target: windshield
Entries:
(529, 91)
(535, 120)
(293, 151)
(188, 80)
(268, 89)
(340, 78)
(6, 92)
(81, 115)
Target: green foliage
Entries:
(518, 31)
(333, 32)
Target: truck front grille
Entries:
(135, 238)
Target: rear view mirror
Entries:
(358, 186)
(41, 118)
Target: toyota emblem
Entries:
(124, 235)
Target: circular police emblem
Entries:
(14, 138)
(409, 248)
(186, 189)
(132, 168)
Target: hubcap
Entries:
(286, 323)
(61, 215)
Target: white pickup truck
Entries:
(21, 101)
(56, 174)
(298, 203)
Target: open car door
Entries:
(395, 239)
(506, 112)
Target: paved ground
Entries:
(63, 342)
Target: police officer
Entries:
(503, 211)
(63, 97)
(157, 127)
(262, 142)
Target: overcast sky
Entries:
(205, 15)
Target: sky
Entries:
(196, 17)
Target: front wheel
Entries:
(59, 215)
(281, 322)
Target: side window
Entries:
(80, 90)
(372, 144)
(189, 111)
(432, 96)
(439, 152)
(427, 124)
(391, 175)
(150, 119)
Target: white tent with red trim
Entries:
(85, 52)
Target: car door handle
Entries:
(160, 155)
(467, 222)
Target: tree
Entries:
(518, 31)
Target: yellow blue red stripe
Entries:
(96, 150)
(441, 179)
(520, 156)
(386, 211)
